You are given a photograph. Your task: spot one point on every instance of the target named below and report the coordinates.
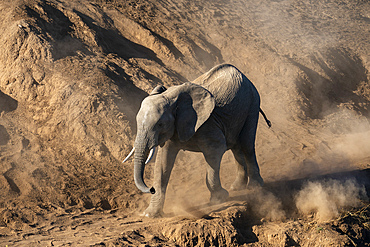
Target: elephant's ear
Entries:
(158, 89)
(194, 106)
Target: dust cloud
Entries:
(344, 143)
(326, 199)
(352, 134)
(266, 205)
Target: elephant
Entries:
(216, 112)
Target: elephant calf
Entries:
(216, 112)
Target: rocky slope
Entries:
(73, 74)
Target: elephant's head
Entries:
(180, 111)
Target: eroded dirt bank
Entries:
(73, 74)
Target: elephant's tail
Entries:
(264, 116)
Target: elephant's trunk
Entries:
(141, 155)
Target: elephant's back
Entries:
(236, 98)
(227, 84)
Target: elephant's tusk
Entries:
(151, 154)
(129, 155)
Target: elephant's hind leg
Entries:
(241, 180)
(247, 145)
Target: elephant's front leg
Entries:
(163, 166)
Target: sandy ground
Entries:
(73, 74)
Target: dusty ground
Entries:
(73, 74)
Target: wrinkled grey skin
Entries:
(217, 112)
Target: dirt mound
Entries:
(73, 75)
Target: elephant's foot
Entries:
(153, 212)
(219, 196)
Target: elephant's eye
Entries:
(160, 125)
